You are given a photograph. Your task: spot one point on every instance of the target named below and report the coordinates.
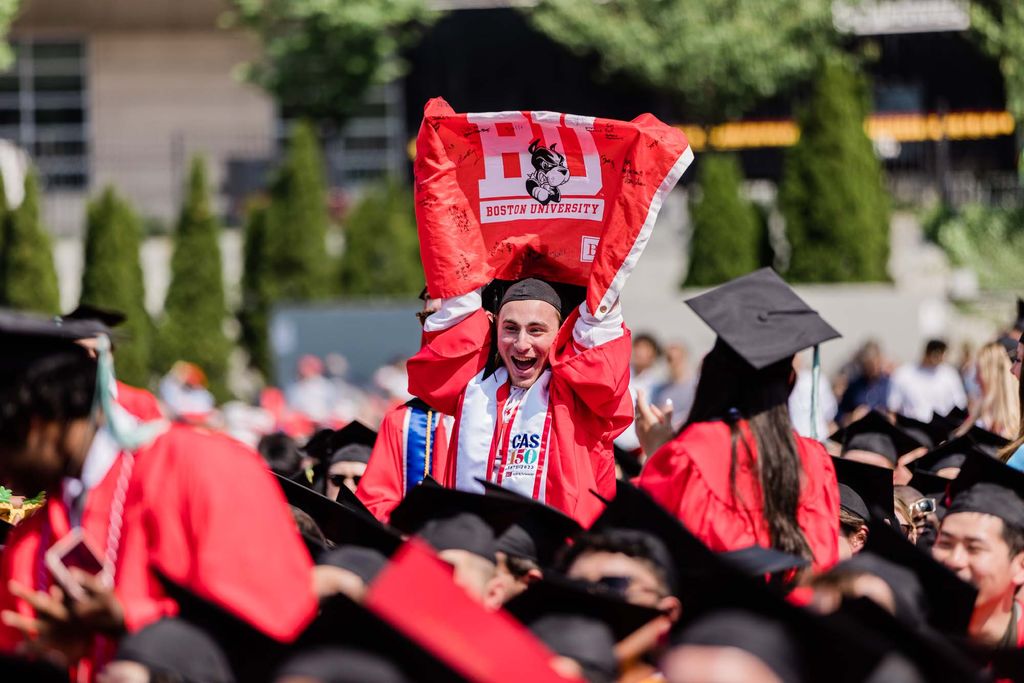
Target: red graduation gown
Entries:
(202, 509)
(588, 405)
(139, 402)
(689, 476)
(387, 476)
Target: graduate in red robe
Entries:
(198, 507)
(542, 422)
(412, 443)
(737, 474)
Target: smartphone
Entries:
(72, 551)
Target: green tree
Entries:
(30, 279)
(382, 249)
(727, 231)
(252, 316)
(295, 265)
(832, 193)
(998, 25)
(192, 328)
(112, 279)
(719, 57)
(320, 56)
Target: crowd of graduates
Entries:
(727, 547)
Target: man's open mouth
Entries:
(523, 364)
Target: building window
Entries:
(43, 108)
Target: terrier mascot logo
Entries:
(549, 172)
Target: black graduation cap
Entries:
(560, 595)
(795, 643)
(951, 454)
(987, 442)
(876, 434)
(459, 520)
(633, 509)
(944, 426)
(317, 445)
(990, 487)
(18, 326)
(933, 656)
(539, 533)
(344, 630)
(949, 602)
(1018, 324)
(872, 484)
(907, 591)
(761, 318)
(340, 523)
(627, 462)
(930, 485)
(108, 317)
(760, 561)
(956, 416)
(928, 434)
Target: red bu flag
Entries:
(563, 197)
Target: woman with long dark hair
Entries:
(737, 474)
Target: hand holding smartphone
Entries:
(72, 552)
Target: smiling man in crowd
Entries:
(542, 422)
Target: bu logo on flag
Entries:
(588, 248)
(542, 166)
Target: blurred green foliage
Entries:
(718, 58)
(29, 279)
(727, 231)
(192, 328)
(998, 26)
(320, 56)
(112, 279)
(988, 240)
(832, 193)
(382, 248)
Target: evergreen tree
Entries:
(29, 276)
(252, 316)
(193, 325)
(832, 193)
(382, 252)
(295, 266)
(727, 232)
(113, 279)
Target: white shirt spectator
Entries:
(800, 405)
(917, 391)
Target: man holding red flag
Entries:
(538, 388)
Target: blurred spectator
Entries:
(997, 407)
(183, 391)
(929, 386)
(281, 453)
(680, 385)
(348, 398)
(393, 380)
(645, 373)
(312, 394)
(800, 402)
(869, 389)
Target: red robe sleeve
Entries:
(138, 402)
(598, 376)
(381, 488)
(449, 358)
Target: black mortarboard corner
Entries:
(634, 510)
(795, 643)
(1018, 324)
(539, 533)
(907, 591)
(108, 317)
(929, 434)
(760, 561)
(986, 441)
(949, 602)
(343, 524)
(956, 416)
(951, 454)
(761, 318)
(990, 487)
(933, 656)
(580, 621)
(852, 502)
(872, 484)
(876, 434)
(930, 485)
(344, 627)
(251, 655)
(449, 519)
(532, 289)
